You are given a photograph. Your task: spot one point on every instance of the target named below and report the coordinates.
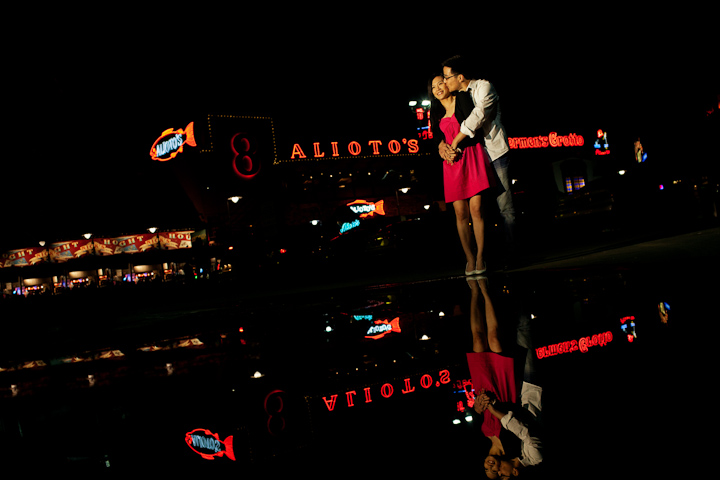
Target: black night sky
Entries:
(84, 105)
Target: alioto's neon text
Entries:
(374, 147)
(387, 390)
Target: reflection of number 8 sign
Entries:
(273, 407)
(244, 163)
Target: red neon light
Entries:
(552, 140)
(246, 168)
(355, 148)
(582, 344)
(387, 390)
(171, 142)
(274, 416)
(202, 441)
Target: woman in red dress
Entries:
(492, 372)
(464, 178)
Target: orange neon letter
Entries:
(334, 149)
(413, 146)
(394, 146)
(316, 147)
(375, 144)
(354, 148)
(297, 151)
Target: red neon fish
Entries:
(171, 142)
(367, 209)
(208, 445)
(383, 327)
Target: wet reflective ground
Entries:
(617, 340)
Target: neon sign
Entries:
(601, 144)
(383, 327)
(208, 445)
(367, 209)
(349, 225)
(243, 164)
(582, 344)
(629, 321)
(552, 140)
(355, 149)
(171, 142)
(387, 390)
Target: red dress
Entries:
(470, 174)
(496, 374)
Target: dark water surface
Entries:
(329, 400)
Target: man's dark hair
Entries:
(460, 66)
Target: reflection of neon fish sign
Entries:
(208, 445)
(349, 225)
(367, 209)
(383, 327)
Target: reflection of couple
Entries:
(465, 113)
(493, 378)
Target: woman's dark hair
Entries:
(437, 112)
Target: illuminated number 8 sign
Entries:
(243, 163)
(273, 408)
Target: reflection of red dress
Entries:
(496, 374)
(469, 175)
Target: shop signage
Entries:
(383, 327)
(125, 244)
(349, 225)
(601, 143)
(208, 445)
(355, 149)
(551, 140)
(387, 390)
(23, 257)
(582, 344)
(367, 209)
(243, 163)
(171, 142)
(175, 240)
(63, 251)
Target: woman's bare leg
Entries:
(462, 218)
(478, 224)
(477, 319)
(491, 320)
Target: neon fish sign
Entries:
(171, 142)
(383, 327)
(208, 445)
(367, 209)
